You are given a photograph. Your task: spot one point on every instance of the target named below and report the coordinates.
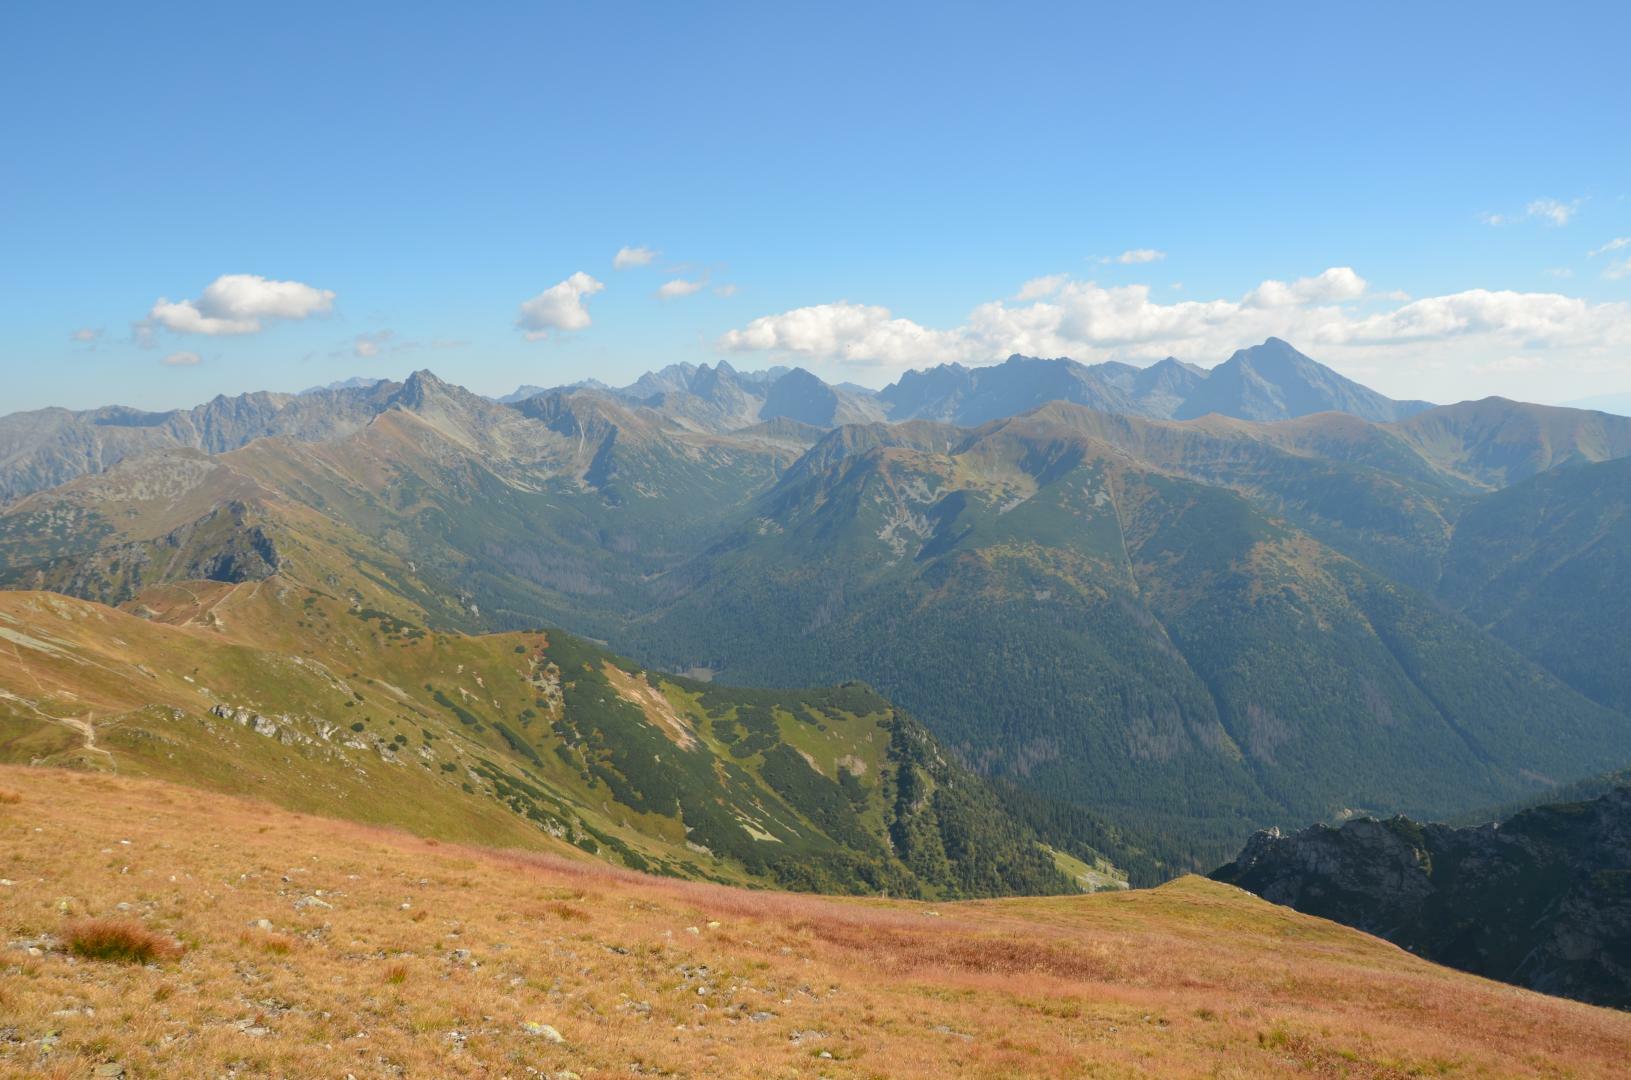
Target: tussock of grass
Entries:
(9, 798)
(119, 941)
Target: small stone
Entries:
(111, 1069)
(261, 924)
(692, 930)
(543, 1031)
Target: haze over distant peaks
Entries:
(356, 382)
(1618, 404)
(1271, 381)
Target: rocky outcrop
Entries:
(227, 544)
(1542, 899)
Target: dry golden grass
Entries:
(118, 940)
(322, 948)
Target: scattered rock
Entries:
(543, 1031)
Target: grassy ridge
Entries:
(520, 739)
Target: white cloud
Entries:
(367, 345)
(1559, 272)
(240, 304)
(627, 257)
(1140, 255)
(559, 307)
(1411, 342)
(1613, 245)
(679, 287)
(851, 333)
(726, 290)
(1330, 286)
(1534, 317)
(1616, 270)
(1496, 220)
(1553, 211)
(1038, 287)
(1506, 365)
(86, 335)
(182, 359)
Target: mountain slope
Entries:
(566, 504)
(42, 449)
(1543, 564)
(455, 961)
(1542, 900)
(1494, 443)
(320, 704)
(1161, 651)
(1273, 381)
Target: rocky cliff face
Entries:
(1542, 899)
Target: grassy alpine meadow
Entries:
(152, 930)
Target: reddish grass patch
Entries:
(120, 941)
(563, 910)
(9, 798)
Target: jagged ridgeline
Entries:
(522, 739)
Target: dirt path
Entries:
(87, 729)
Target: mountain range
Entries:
(1144, 634)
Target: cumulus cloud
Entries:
(1553, 211)
(1038, 287)
(1089, 322)
(182, 359)
(86, 335)
(852, 333)
(1331, 286)
(679, 287)
(240, 304)
(1140, 255)
(628, 257)
(559, 307)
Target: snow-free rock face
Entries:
(1273, 381)
(1542, 899)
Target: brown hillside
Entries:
(320, 948)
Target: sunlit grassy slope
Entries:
(322, 948)
(529, 739)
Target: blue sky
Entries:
(851, 188)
